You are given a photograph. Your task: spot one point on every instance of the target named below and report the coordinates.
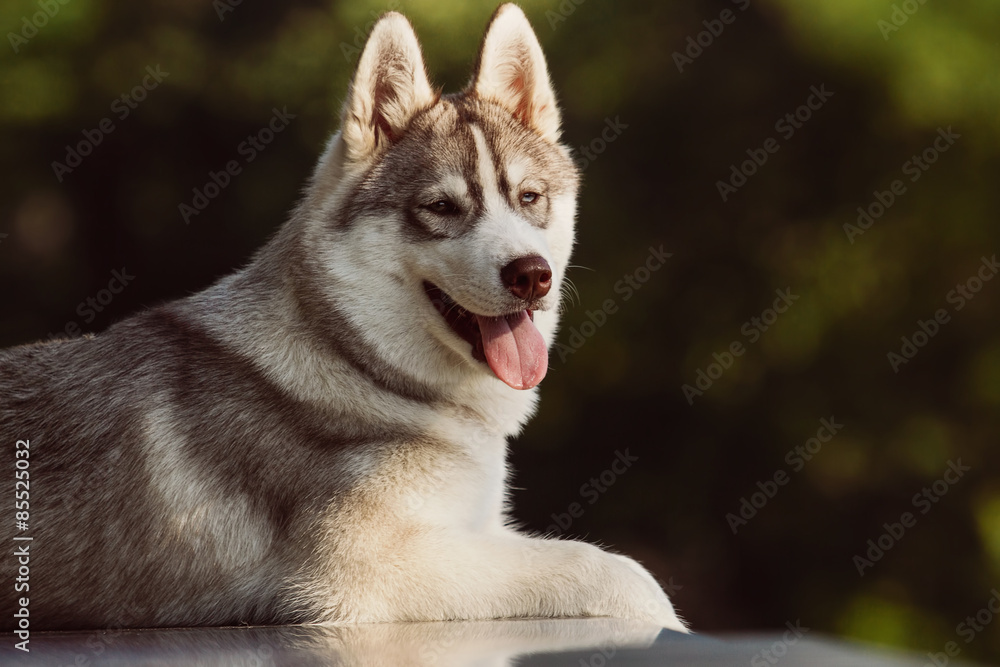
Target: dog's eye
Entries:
(442, 207)
(530, 197)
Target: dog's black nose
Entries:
(527, 278)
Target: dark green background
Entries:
(656, 183)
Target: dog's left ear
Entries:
(511, 70)
(389, 87)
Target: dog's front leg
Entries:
(443, 575)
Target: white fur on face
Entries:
(380, 270)
(468, 269)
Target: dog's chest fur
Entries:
(250, 486)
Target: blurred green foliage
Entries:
(230, 65)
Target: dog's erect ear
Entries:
(388, 88)
(511, 70)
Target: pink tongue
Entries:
(514, 349)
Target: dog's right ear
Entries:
(389, 87)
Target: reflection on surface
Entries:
(486, 643)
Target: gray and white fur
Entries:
(310, 440)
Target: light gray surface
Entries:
(540, 643)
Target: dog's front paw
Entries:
(592, 582)
(646, 600)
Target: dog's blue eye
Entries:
(529, 197)
(442, 207)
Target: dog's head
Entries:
(451, 217)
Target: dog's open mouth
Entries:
(510, 345)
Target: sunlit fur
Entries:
(307, 440)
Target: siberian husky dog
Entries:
(321, 436)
